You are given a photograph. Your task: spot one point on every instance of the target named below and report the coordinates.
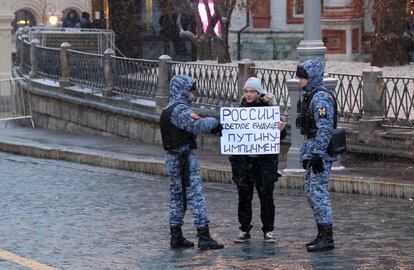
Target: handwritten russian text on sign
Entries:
(250, 130)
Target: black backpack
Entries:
(337, 145)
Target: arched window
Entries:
(23, 18)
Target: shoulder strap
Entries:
(166, 113)
(321, 88)
(172, 106)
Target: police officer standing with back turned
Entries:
(316, 122)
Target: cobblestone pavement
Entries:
(72, 216)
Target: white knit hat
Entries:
(254, 83)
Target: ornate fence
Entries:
(398, 96)
(217, 85)
(86, 69)
(274, 81)
(86, 40)
(135, 77)
(349, 96)
(348, 92)
(48, 63)
(26, 56)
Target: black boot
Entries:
(326, 241)
(318, 236)
(205, 241)
(178, 240)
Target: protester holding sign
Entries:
(256, 170)
(179, 129)
(316, 122)
(250, 130)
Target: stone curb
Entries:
(129, 162)
(365, 187)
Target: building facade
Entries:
(271, 30)
(20, 13)
(274, 28)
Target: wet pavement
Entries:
(357, 166)
(72, 216)
(377, 168)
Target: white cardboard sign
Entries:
(250, 130)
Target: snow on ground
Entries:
(335, 66)
(344, 67)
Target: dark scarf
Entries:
(259, 102)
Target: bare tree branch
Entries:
(208, 11)
(203, 39)
(210, 27)
(199, 24)
(231, 8)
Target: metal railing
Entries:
(48, 63)
(86, 69)
(18, 50)
(217, 85)
(27, 65)
(135, 77)
(398, 97)
(99, 39)
(349, 97)
(14, 104)
(274, 81)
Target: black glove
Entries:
(217, 129)
(305, 164)
(317, 164)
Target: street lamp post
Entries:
(312, 46)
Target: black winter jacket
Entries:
(243, 166)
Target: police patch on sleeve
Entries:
(322, 112)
